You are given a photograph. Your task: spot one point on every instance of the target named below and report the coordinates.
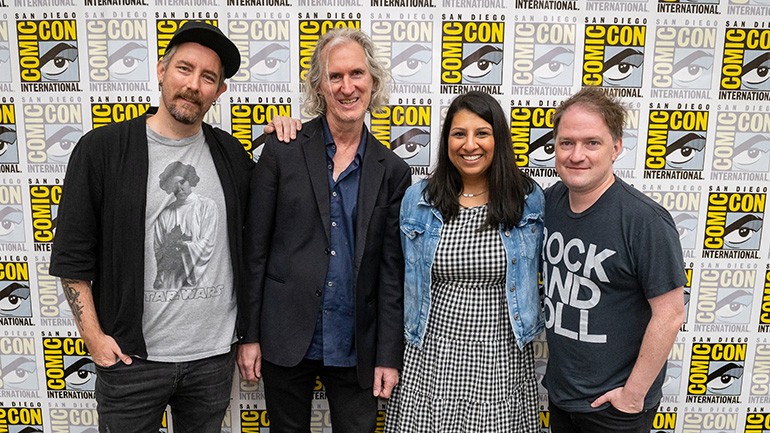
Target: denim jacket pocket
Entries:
(414, 236)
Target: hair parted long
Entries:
(315, 104)
(508, 185)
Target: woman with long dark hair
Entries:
(472, 234)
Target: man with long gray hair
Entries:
(324, 267)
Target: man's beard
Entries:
(184, 116)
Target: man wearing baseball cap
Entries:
(148, 246)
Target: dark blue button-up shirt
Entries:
(334, 331)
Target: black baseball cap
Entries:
(211, 37)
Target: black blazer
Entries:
(287, 252)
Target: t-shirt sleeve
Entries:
(659, 257)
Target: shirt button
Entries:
(507, 234)
(318, 293)
(329, 166)
(516, 316)
(513, 287)
(329, 283)
(334, 253)
(334, 193)
(334, 223)
(513, 261)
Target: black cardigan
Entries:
(100, 224)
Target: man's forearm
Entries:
(81, 301)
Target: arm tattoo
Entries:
(72, 296)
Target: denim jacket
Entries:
(420, 233)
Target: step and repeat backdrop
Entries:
(695, 75)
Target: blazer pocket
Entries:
(274, 278)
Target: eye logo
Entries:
(613, 55)
(472, 53)
(117, 50)
(405, 129)
(52, 130)
(406, 47)
(48, 50)
(532, 136)
(676, 140)
(543, 54)
(734, 222)
(411, 63)
(265, 50)
(742, 145)
(248, 121)
(716, 369)
(725, 298)
(746, 61)
(684, 57)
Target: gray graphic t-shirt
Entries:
(189, 300)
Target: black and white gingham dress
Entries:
(469, 375)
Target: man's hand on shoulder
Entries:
(285, 128)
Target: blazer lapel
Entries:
(315, 159)
(368, 190)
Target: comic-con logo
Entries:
(716, 372)
(11, 214)
(405, 129)
(613, 55)
(248, 121)
(18, 368)
(724, 300)
(21, 419)
(117, 53)
(5, 53)
(695, 422)
(742, 146)
(760, 374)
(664, 422)
(15, 300)
(9, 149)
(764, 315)
(757, 422)
(104, 112)
(684, 207)
(51, 132)
(68, 366)
(311, 28)
(167, 24)
(406, 48)
(745, 62)
(683, 57)
(471, 54)
(543, 54)
(676, 140)
(253, 420)
(265, 51)
(48, 53)
(733, 224)
(74, 420)
(44, 200)
(54, 308)
(544, 420)
(532, 137)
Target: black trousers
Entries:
(289, 395)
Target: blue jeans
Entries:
(602, 421)
(132, 398)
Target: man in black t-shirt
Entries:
(613, 275)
